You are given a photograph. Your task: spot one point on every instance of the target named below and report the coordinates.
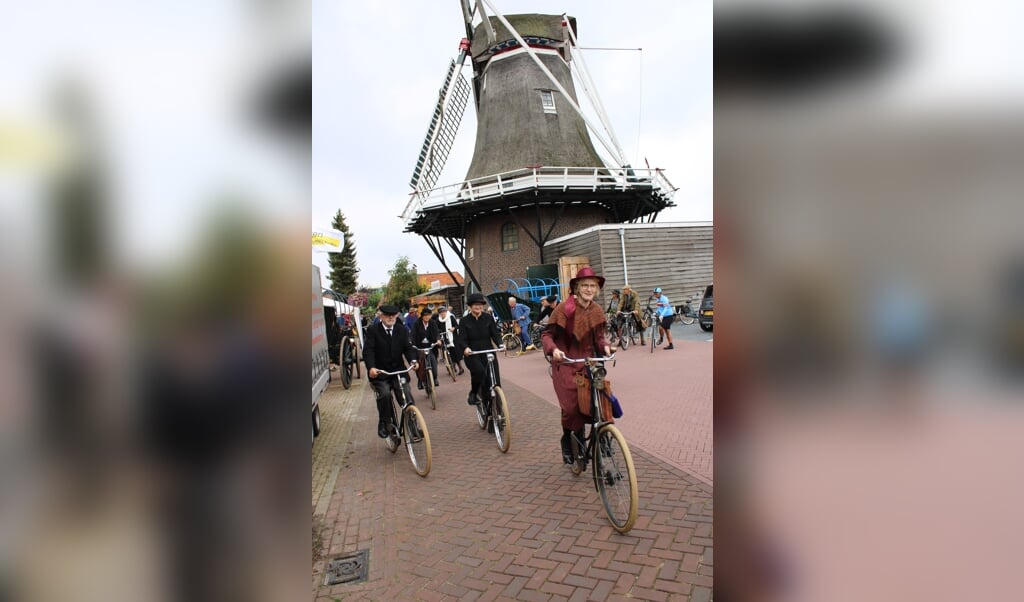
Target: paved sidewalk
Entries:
(490, 526)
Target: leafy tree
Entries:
(343, 264)
(403, 285)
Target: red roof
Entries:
(443, 277)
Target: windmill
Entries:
(535, 174)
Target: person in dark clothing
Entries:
(425, 334)
(477, 331)
(387, 342)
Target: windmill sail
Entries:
(451, 104)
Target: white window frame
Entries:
(547, 101)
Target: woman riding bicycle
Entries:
(425, 334)
(576, 329)
(477, 331)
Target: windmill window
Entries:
(547, 100)
(509, 237)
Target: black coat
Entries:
(477, 333)
(386, 354)
(429, 332)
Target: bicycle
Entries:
(446, 355)
(685, 312)
(651, 316)
(613, 471)
(536, 329)
(430, 367)
(410, 425)
(496, 412)
(510, 337)
(627, 330)
(349, 360)
(613, 327)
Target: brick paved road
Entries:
(518, 526)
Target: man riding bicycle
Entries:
(387, 342)
(631, 309)
(446, 326)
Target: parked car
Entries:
(706, 314)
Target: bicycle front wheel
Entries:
(627, 336)
(654, 332)
(687, 319)
(417, 440)
(499, 414)
(615, 478)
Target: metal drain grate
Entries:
(351, 568)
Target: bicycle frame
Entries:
(496, 412)
(613, 471)
(417, 442)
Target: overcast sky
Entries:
(377, 68)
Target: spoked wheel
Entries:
(578, 449)
(417, 440)
(535, 331)
(687, 319)
(429, 388)
(393, 438)
(615, 478)
(499, 413)
(511, 342)
(627, 336)
(654, 333)
(481, 414)
(346, 363)
(448, 364)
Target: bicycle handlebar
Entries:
(569, 360)
(495, 350)
(396, 373)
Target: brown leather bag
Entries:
(583, 387)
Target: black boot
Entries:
(471, 400)
(382, 429)
(566, 447)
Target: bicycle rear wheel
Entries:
(687, 319)
(429, 388)
(448, 363)
(417, 443)
(578, 452)
(499, 414)
(481, 414)
(615, 478)
(346, 363)
(511, 342)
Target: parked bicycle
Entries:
(446, 355)
(603, 445)
(613, 327)
(686, 313)
(429, 364)
(349, 359)
(407, 424)
(492, 412)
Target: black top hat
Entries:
(476, 298)
(388, 310)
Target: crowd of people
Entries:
(574, 328)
